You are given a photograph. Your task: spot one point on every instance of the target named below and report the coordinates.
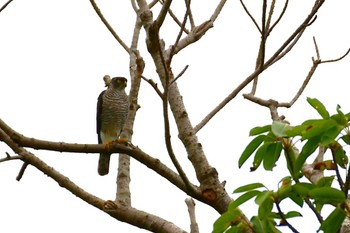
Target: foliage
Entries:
(270, 141)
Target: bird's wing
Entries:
(98, 115)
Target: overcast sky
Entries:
(53, 55)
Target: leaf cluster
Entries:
(266, 148)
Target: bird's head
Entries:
(118, 83)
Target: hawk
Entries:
(112, 111)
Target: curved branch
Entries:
(121, 212)
(5, 5)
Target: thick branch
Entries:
(121, 212)
(136, 153)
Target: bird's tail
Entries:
(103, 164)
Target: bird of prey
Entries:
(112, 111)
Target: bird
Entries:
(112, 112)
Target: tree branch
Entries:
(5, 5)
(121, 212)
(109, 27)
(152, 163)
(197, 32)
(269, 62)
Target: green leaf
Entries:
(327, 195)
(273, 152)
(309, 147)
(317, 127)
(259, 130)
(292, 214)
(249, 150)
(346, 138)
(225, 220)
(334, 221)
(290, 159)
(243, 198)
(263, 196)
(303, 189)
(295, 130)
(320, 108)
(249, 187)
(296, 199)
(279, 128)
(261, 152)
(325, 181)
(340, 118)
(257, 225)
(339, 154)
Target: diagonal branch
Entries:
(109, 27)
(116, 210)
(5, 5)
(163, 12)
(200, 30)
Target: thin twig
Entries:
(167, 78)
(269, 62)
(9, 158)
(283, 217)
(179, 75)
(176, 20)
(154, 86)
(303, 86)
(5, 5)
(182, 27)
(250, 15)
(21, 172)
(280, 17)
(109, 27)
(337, 59)
(190, 16)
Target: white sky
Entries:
(53, 55)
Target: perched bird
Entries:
(112, 111)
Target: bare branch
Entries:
(179, 75)
(280, 17)
(303, 86)
(200, 30)
(154, 85)
(182, 28)
(337, 59)
(176, 20)
(163, 12)
(192, 212)
(14, 140)
(109, 27)
(9, 158)
(123, 213)
(251, 77)
(192, 23)
(5, 5)
(283, 217)
(217, 11)
(21, 172)
(250, 15)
